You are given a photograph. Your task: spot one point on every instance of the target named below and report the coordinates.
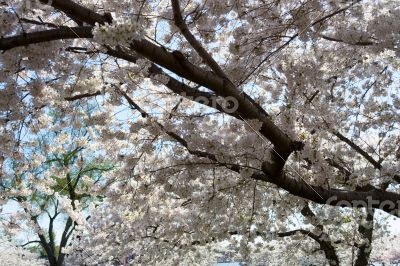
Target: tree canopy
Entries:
(202, 122)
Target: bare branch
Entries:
(61, 33)
(82, 96)
(30, 242)
(355, 147)
(360, 43)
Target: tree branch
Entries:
(78, 12)
(355, 147)
(180, 23)
(182, 67)
(82, 96)
(30, 242)
(376, 198)
(360, 43)
(366, 231)
(373, 198)
(61, 33)
(176, 137)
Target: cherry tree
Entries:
(228, 117)
(53, 185)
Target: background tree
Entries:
(52, 187)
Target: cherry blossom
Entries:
(251, 123)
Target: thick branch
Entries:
(174, 85)
(45, 36)
(178, 64)
(77, 12)
(373, 198)
(180, 23)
